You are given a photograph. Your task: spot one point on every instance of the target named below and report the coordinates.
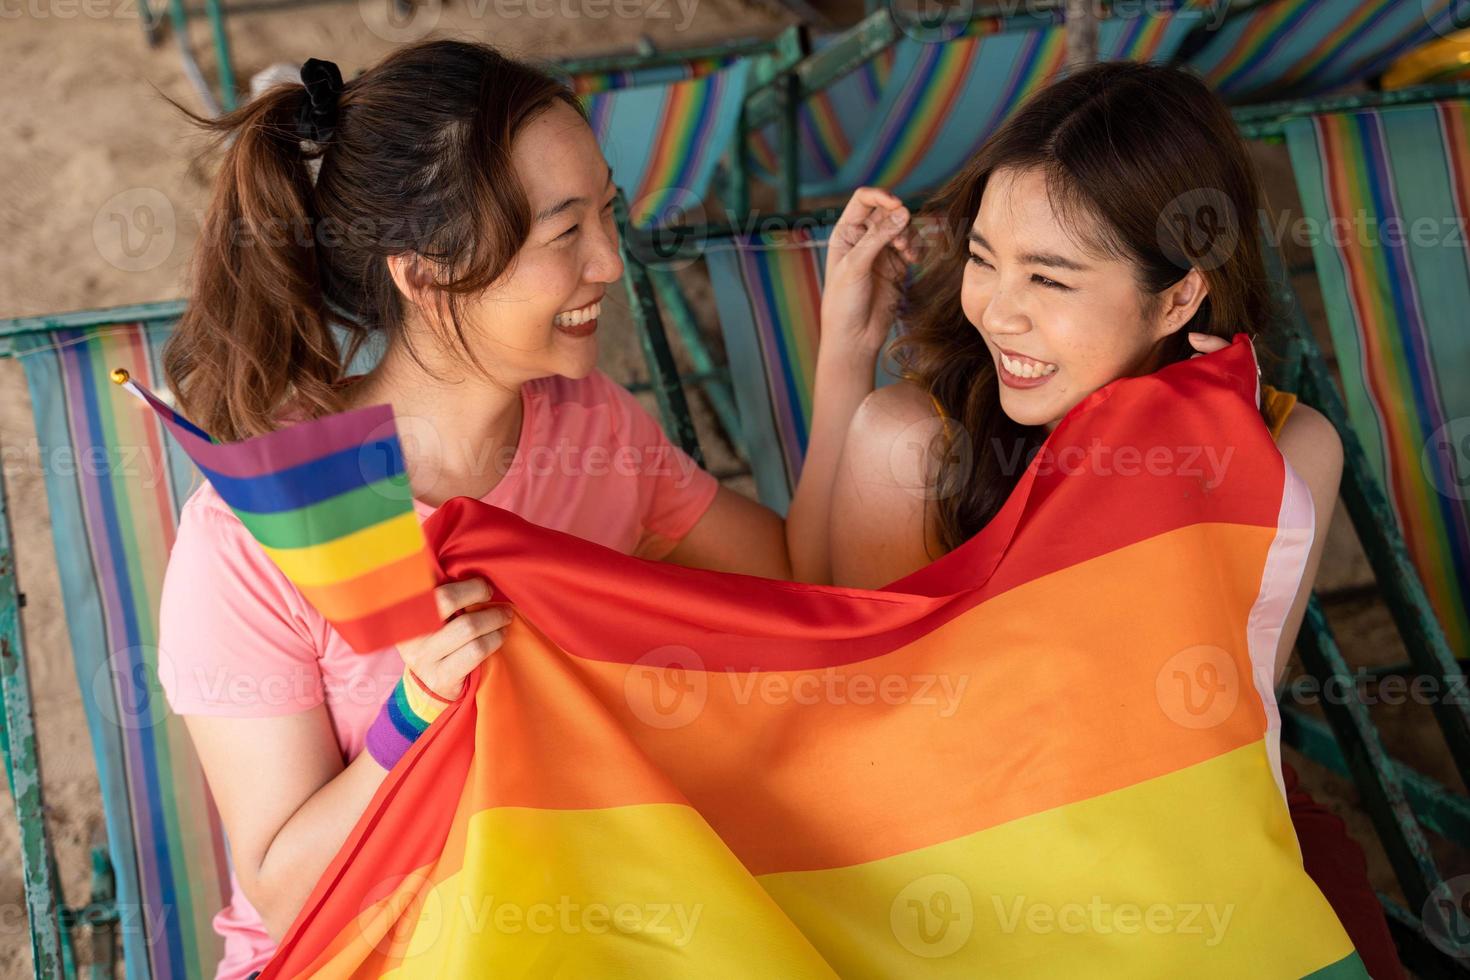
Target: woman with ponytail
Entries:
(449, 208)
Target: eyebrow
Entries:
(570, 202)
(1035, 258)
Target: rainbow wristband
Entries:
(406, 715)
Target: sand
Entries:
(89, 136)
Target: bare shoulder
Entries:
(880, 526)
(895, 411)
(1312, 446)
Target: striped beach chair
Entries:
(768, 293)
(1367, 169)
(909, 117)
(1389, 190)
(827, 122)
(1293, 48)
(663, 141)
(114, 484)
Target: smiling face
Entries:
(1060, 321)
(540, 317)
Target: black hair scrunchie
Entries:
(318, 118)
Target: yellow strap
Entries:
(1278, 407)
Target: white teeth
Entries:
(574, 317)
(1027, 369)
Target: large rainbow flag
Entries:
(329, 501)
(1051, 752)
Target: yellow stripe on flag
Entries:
(352, 554)
(1184, 875)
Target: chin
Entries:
(1023, 414)
(582, 366)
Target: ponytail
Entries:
(256, 327)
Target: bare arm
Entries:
(736, 534)
(1314, 449)
(865, 264)
(287, 802)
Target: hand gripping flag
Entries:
(1052, 752)
(329, 501)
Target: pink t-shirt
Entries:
(238, 639)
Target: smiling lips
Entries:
(579, 322)
(1024, 372)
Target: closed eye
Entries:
(566, 234)
(1038, 279)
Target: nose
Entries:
(1002, 314)
(604, 263)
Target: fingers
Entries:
(471, 655)
(466, 628)
(1207, 343)
(443, 659)
(884, 227)
(454, 596)
(862, 203)
(867, 206)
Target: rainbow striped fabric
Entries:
(940, 101)
(329, 501)
(114, 487)
(663, 141)
(667, 771)
(827, 121)
(1389, 192)
(1290, 48)
(768, 294)
(588, 83)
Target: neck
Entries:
(459, 431)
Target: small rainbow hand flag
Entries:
(330, 502)
(1052, 752)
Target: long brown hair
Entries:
(1153, 156)
(418, 162)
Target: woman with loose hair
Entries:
(1107, 229)
(451, 207)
